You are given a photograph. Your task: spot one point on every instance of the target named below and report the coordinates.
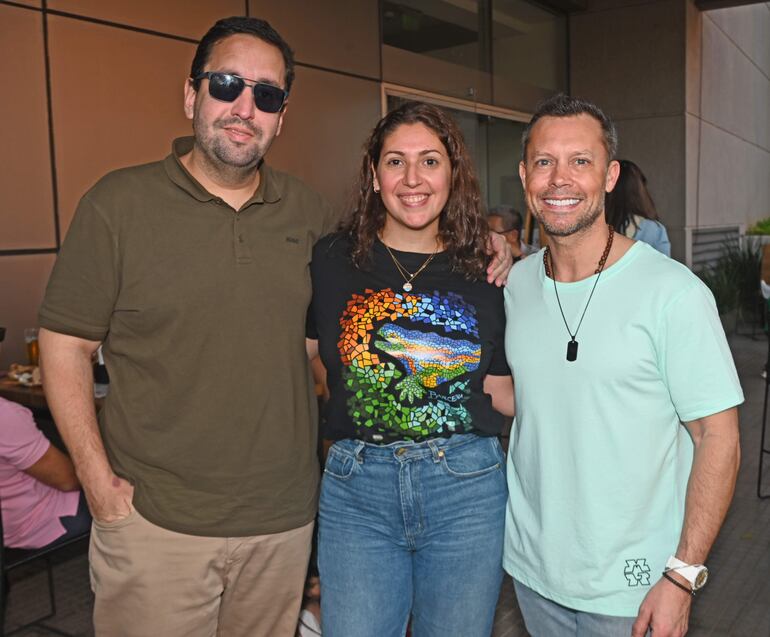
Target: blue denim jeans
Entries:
(544, 618)
(412, 529)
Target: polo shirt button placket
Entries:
(242, 251)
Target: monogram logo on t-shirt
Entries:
(637, 572)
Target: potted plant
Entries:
(734, 282)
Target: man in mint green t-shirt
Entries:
(625, 449)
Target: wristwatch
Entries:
(696, 574)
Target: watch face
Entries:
(700, 579)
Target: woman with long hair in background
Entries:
(631, 211)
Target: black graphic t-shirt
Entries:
(404, 365)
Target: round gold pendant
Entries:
(407, 287)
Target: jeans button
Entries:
(400, 451)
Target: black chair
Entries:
(11, 558)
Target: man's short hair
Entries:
(511, 218)
(562, 105)
(241, 25)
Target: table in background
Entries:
(33, 398)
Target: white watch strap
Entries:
(674, 563)
(688, 571)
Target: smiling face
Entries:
(566, 174)
(414, 176)
(235, 135)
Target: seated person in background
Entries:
(631, 211)
(41, 499)
(508, 222)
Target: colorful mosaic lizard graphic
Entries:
(408, 400)
(431, 359)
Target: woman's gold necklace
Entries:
(406, 274)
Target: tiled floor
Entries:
(736, 602)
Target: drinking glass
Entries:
(33, 351)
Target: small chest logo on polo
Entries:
(637, 572)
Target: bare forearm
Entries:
(711, 485)
(68, 383)
(55, 469)
(666, 608)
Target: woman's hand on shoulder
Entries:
(502, 259)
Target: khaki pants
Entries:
(149, 581)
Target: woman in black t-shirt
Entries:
(413, 496)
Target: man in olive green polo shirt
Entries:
(201, 472)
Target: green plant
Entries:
(721, 285)
(734, 280)
(760, 227)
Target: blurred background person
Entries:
(41, 499)
(40, 494)
(629, 208)
(508, 222)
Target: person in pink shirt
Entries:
(41, 499)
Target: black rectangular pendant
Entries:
(572, 350)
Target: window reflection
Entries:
(529, 46)
(445, 30)
(511, 53)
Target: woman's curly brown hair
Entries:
(463, 228)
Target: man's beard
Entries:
(225, 155)
(586, 220)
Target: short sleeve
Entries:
(663, 244)
(83, 287)
(22, 444)
(311, 329)
(695, 358)
(499, 364)
(654, 233)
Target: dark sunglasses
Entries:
(227, 88)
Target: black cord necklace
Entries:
(572, 345)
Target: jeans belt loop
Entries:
(358, 452)
(438, 454)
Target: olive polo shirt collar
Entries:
(267, 191)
